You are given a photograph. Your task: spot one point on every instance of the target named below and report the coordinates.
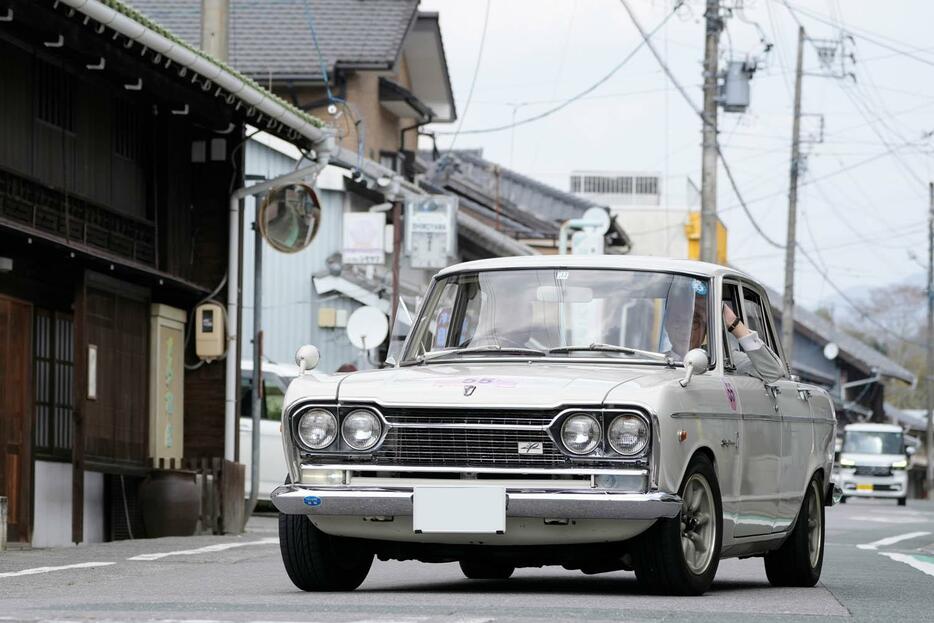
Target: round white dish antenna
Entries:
(598, 215)
(831, 350)
(367, 327)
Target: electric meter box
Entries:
(209, 331)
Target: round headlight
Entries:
(361, 429)
(628, 434)
(317, 428)
(580, 433)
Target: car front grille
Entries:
(460, 437)
(873, 470)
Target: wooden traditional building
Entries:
(119, 149)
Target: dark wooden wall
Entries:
(116, 423)
(81, 136)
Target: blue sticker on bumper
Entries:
(312, 500)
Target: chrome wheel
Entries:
(815, 531)
(698, 524)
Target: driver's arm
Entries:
(759, 361)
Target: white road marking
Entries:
(205, 550)
(890, 519)
(37, 570)
(912, 561)
(892, 540)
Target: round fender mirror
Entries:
(307, 358)
(695, 362)
(289, 217)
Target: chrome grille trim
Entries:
(459, 438)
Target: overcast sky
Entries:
(863, 199)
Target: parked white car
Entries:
(272, 467)
(579, 411)
(874, 462)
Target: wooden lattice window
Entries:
(54, 360)
(55, 96)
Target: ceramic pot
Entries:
(170, 503)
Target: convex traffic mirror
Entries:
(289, 217)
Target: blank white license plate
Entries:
(459, 509)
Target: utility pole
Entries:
(708, 241)
(929, 370)
(788, 301)
(215, 26)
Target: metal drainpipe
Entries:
(323, 150)
(258, 387)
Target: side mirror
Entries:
(695, 362)
(910, 450)
(307, 358)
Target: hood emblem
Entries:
(469, 390)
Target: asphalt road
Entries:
(879, 566)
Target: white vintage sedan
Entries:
(589, 412)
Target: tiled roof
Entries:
(271, 39)
(527, 207)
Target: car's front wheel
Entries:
(483, 570)
(799, 560)
(316, 561)
(680, 556)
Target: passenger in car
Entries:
(755, 358)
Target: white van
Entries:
(874, 462)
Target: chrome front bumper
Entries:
(385, 501)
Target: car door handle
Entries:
(804, 393)
(774, 390)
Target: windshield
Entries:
(868, 442)
(562, 312)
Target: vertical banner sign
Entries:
(166, 383)
(431, 230)
(364, 238)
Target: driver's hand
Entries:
(728, 315)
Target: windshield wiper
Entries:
(612, 348)
(489, 348)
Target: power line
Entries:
(476, 72)
(739, 195)
(573, 99)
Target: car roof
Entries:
(631, 262)
(874, 428)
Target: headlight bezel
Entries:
(605, 416)
(339, 447)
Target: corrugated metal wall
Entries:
(290, 304)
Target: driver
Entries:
(686, 328)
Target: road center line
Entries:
(912, 561)
(204, 550)
(891, 540)
(37, 570)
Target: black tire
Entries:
(792, 564)
(658, 556)
(902, 501)
(316, 561)
(480, 570)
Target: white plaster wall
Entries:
(52, 505)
